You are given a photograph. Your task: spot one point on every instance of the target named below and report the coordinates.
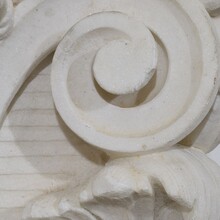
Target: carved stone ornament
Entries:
(108, 109)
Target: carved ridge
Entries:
(176, 184)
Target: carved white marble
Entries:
(116, 123)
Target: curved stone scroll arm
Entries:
(172, 185)
(206, 135)
(48, 23)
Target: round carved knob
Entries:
(137, 78)
(126, 65)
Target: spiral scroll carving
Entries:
(6, 17)
(128, 81)
(132, 78)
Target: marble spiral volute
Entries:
(121, 64)
(134, 79)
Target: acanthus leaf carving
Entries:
(177, 184)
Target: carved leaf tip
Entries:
(177, 187)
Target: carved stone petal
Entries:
(177, 184)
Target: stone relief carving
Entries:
(167, 185)
(139, 85)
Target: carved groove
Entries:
(6, 18)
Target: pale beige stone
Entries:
(132, 78)
(6, 18)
